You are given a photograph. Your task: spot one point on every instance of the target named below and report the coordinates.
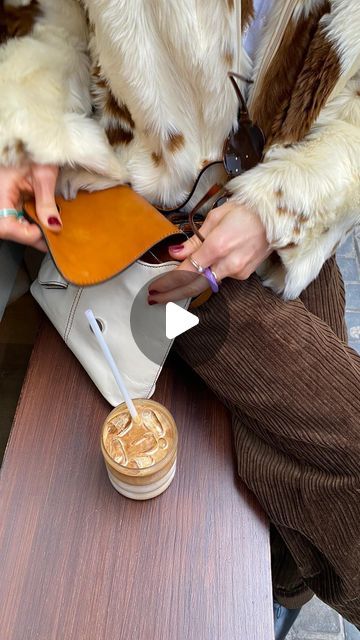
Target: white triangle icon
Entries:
(178, 320)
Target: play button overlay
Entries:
(178, 320)
(154, 327)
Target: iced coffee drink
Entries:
(140, 457)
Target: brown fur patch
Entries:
(157, 158)
(284, 211)
(115, 117)
(117, 135)
(97, 78)
(116, 110)
(15, 154)
(101, 83)
(175, 142)
(271, 107)
(279, 193)
(229, 58)
(302, 218)
(20, 147)
(315, 84)
(16, 22)
(247, 12)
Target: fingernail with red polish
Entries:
(54, 222)
(153, 292)
(176, 248)
(151, 302)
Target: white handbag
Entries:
(112, 303)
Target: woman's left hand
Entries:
(235, 245)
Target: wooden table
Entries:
(80, 562)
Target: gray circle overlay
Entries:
(148, 324)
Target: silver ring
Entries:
(215, 276)
(197, 266)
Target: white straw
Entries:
(111, 362)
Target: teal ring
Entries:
(8, 213)
(12, 213)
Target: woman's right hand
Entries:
(40, 181)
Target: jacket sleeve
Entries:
(308, 194)
(45, 106)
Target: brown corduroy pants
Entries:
(293, 387)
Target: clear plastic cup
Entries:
(140, 458)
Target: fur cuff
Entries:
(45, 107)
(308, 198)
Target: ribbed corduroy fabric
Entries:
(293, 387)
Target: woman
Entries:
(137, 92)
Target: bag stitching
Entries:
(72, 314)
(155, 266)
(46, 283)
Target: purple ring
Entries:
(211, 279)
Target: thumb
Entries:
(44, 181)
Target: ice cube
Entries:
(122, 423)
(152, 422)
(117, 451)
(144, 444)
(143, 462)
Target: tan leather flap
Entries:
(103, 233)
